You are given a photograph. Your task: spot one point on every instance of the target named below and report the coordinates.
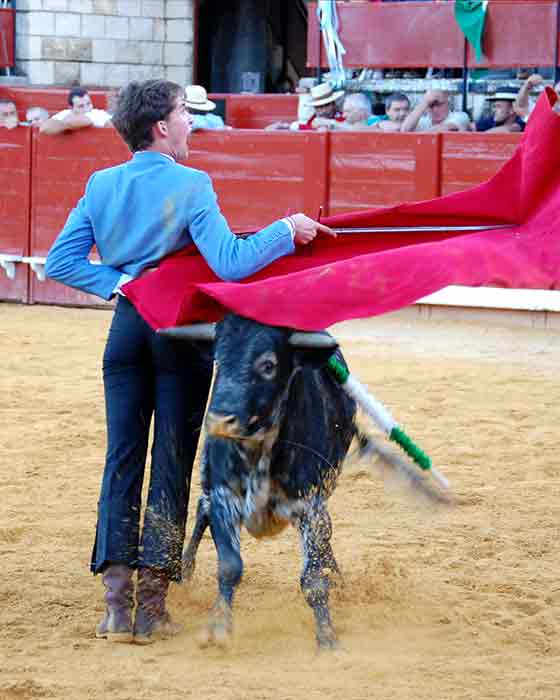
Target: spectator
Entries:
(433, 113)
(521, 105)
(80, 115)
(326, 114)
(356, 111)
(504, 119)
(35, 116)
(397, 108)
(8, 114)
(200, 107)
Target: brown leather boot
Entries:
(152, 619)
(116, 625)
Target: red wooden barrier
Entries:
(260, 176)
(369, 169)
(15, 171)
(7, 37)
(469, 159)
(402, 34)
(258, 111)
(518, 34)
(61, 167)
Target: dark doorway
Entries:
(251, 45)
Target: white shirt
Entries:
(425, 121)
(98, 117)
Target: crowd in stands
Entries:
(321, 107)
(508, 111)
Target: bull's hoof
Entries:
(327, 639)
(219, 630)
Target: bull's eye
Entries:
(266, 365)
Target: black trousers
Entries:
(147, 375)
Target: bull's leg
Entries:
(202, 522)
(315, 531)
(225, 523)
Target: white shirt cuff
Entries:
(123, 279)
(290, 224)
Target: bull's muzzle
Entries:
(220, 424)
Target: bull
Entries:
(278, 429)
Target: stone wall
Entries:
(104, 42)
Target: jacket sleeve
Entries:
(67, 260)
(232, 258)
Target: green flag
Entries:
(471, 16)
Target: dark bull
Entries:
(279, 427)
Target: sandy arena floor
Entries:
(438, 603)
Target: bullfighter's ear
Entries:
(197, 331)
(313, 349)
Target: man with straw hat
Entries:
(200, 107)
(324, 101)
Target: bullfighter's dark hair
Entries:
(395, 97)
(76, 92)
(139, 106)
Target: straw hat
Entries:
(196, 97)
(323, 93)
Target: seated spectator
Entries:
(504, 119)
(326, 113)
(80, 115)
(433, 113)
(8, 114)
(196, 99)
(35, 116)
(356, 111)
(397, 108)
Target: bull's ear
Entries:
(312, 349)
(197, 331)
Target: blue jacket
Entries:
(140, 211)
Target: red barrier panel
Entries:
(469, 159)
(15, 171)
(369, 169)
(7, 37)
(518, 33)
(61, 167)
(392, 34)
(258, 111)
(260, 176)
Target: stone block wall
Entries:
(104, 43)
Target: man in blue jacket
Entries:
(135, 214)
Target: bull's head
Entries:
(255, 365)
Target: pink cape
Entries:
(363, 275)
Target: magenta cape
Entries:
(363, 275)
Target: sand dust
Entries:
(438, 604)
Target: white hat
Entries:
(323, 93)
(196, 97)
(504, 93)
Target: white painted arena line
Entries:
(495, 298)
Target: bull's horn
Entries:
(300, 339)
(197, 331)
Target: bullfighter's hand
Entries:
(306, 229)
